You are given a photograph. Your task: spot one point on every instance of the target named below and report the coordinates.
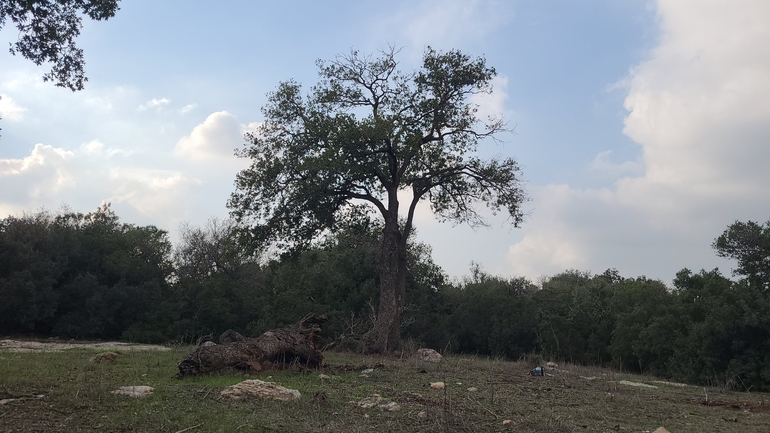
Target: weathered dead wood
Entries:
(293, 344)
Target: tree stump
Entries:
(293, 344)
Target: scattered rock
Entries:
(508, 422)
(661, 430)
(208, 343)
(637, 384)
(134, 391)
(376, 400)
(552, 365)
(369, 402)
(104, 357)
(257, 389)
(428, 355)
(437, 385)
(422, 415)
(589, 377)
(472, 389)
(323, 376)
(390, 407)
(368, 371)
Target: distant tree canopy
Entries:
(47, 31)
(80, 275)
(749, 244)
(88, 275)
(365, 133)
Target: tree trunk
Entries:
(293, 344)
(386, 333)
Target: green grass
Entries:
(78, 398)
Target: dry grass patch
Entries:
(78, 397)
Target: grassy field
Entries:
(76, 397)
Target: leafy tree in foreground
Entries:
(367, 132)
(47, 32)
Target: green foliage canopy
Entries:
(366, 131)
(47, 32)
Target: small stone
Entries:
(257, 389)
(508, 422)
(437, 385)
(104, 357)
(370, 402)
(134, 391)
(323, 376)
(552, 365)
(390, 407)
(208, 343)
(368, 371)
(661, 430)
(472, 389)
(366, 415)
(422, 415)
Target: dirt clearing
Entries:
(36, 346)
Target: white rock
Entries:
(428, 355)
(377, 400)
(390, 407)
(323, 376)
(368, 371)
(259, 390)
(472, 389)
(437, 385)
(134, 391)
(369, 402)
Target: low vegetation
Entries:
(64, 391)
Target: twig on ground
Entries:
(189, 428)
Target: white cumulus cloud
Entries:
(10, 110)
(45, 172)
(698, 109)
(215, 140)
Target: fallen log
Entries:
(294, 344)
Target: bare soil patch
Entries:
(36, 346)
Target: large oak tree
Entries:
(47, 31)
(365, 133)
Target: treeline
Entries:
(76, 275)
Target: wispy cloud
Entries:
(188, 108)
(154, 103)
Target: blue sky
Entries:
(642, 126)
